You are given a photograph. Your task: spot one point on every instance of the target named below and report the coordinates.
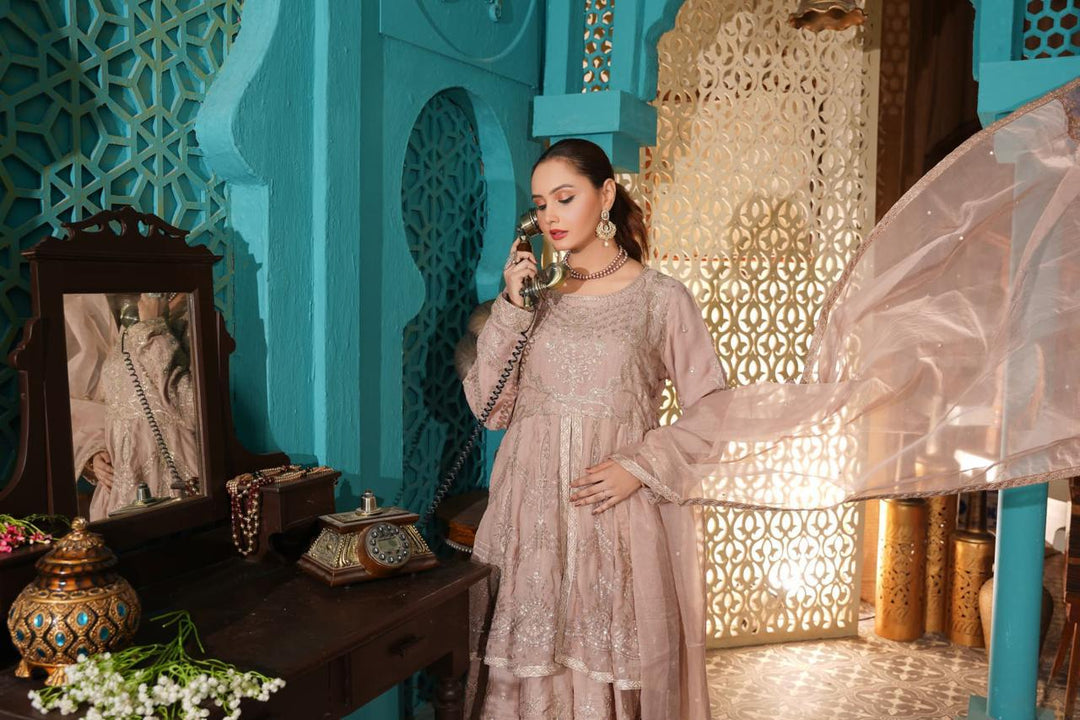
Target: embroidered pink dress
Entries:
(588, 616)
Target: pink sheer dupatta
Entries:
(948, 338)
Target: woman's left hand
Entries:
(607, 484)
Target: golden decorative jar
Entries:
(940, 525)
(900, 594)
(973, 564)
(76, 606)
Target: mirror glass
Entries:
(134, 418)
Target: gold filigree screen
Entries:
(758, 194)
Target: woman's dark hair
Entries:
(591, 161)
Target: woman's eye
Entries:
(566, 201)
(541, 208)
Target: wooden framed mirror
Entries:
(124, 383)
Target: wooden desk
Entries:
(336, 648)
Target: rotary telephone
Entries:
(373, 542)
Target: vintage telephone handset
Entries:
(552, 276)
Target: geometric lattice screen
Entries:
(444, 208)
(758, 194)
(97, 107)
(596, 65)
(1050, 28)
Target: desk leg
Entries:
(450, 685)
(450, 699)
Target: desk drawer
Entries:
(410, 647)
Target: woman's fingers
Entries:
(591, 490)
(607, 504)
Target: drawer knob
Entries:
(402, 646)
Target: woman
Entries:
(589, 612)
(942, 361)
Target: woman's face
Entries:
(567, 204)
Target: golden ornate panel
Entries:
(758, 194)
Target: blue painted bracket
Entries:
(1015, 83)
(615, 120)
(620, 119)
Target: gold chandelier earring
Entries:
(605, 229)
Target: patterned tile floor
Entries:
(864, 677)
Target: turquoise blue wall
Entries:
(97, 106)
(310, 123)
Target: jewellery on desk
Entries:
(618, 262)
(245, 501)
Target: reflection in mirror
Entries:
(134, 420)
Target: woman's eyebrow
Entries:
(555, 190)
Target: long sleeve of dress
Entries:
(90, 333)
(689, 357)
(495, 345)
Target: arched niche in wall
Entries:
(456, 176)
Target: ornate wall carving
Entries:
(758, 193)
(99, 104)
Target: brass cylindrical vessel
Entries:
(941, 522)
(973, 564)
(899, 607)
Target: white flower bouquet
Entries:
(147, 682)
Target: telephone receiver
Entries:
(533, 290)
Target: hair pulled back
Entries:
(590, 160)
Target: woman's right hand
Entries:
(101, 464)
(521, 266)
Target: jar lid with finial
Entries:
(80, 559)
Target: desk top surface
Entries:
(277, 620)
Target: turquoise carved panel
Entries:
(599, 28)
(1051, 29)
(97, 107)
(444, 208)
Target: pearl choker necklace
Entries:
(618, 262)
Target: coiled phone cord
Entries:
(178, 483)
(470, 443)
